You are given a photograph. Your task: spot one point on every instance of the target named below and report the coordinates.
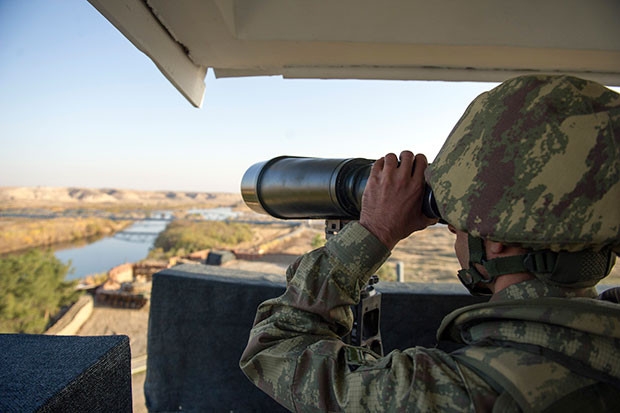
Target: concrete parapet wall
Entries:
(248, 256)
(74, 318)
(200, 318)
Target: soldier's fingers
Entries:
(406, 156)
(406, 162)
(419, 165)
(391, 161)
(379, 164)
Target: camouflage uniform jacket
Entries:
(296, 356)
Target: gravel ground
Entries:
(133, 323)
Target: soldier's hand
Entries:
(392, 200)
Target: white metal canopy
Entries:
(475, 40)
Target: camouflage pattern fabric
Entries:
(295, 353)
(535, 162)
(539, 341)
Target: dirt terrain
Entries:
(427, 256)
(46, 197)
(133, 323)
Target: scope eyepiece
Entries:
(290, 187)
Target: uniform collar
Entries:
(535, 288)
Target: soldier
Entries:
(528, 180)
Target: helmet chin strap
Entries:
(470, 277)
(564, 269)
(473, 280)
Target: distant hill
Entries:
(20, 197)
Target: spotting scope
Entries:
(291, 187)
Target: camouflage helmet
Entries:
(535, 162)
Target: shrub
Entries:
(32, 290)
(195, 236)
(318, 241)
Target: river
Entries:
(130, 245)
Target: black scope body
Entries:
(291, 187)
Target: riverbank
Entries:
(79, 213)
(19, 234)
(69, 220)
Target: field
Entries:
(427, 256)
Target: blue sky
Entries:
(81, 106)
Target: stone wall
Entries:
(74, 318)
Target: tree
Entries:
(32, 290)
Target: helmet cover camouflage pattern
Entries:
(535, 162)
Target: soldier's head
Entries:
(535, 163)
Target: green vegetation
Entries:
(21, 234)
(32, 290)
(184, 237)
(387, 272)
(318, 241)
(96, 279)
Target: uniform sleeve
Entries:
(295, 353)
